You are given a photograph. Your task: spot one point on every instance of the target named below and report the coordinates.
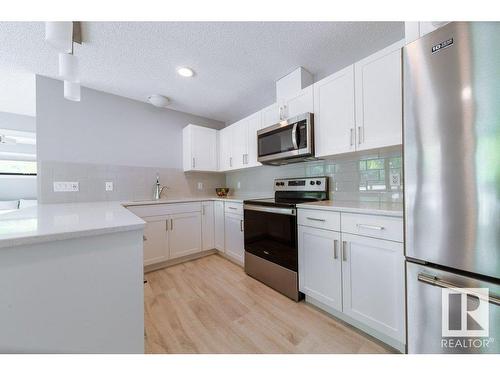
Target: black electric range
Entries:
(271, 248)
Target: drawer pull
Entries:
(344, 251)
(366, 226)
(315, 219)
(232, 208)
(335, 247)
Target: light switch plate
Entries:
(65, 186)
(200, 185)
(395, 179)
(109, 185)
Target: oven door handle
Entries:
(273, 210)
(294, 137)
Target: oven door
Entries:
(292, 138)
(271, 233)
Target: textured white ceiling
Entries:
(236, 63)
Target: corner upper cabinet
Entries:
(298, 104)
(200, 151)
(254, 124)
(378, 89)
(334, 121)
(270, 115)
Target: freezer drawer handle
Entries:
(366, 226)
(435, 281)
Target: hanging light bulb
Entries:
(60, 35)
(68, 67)
(72, 91)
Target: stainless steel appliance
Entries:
(271, 253)
(452, 180)
(289, 141)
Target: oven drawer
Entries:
(384, 227)
(319, 219)
(233, 208)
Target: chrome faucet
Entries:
(158, 189)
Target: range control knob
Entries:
(312, 182)
(318, 182)
(277, 184)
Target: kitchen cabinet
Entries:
(200, 151)
(320, 274)
(415, 30)
(270, 115)
(234, 240)
(155, 240)
(184, 234)
(207, 225)
(296, 105)
(360, 278)
(225, 139)
(254, 124)
(334, 113)
(378, 92)
(373, 283)
(219, 225)
(239, 144)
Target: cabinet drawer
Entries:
(319, 219)
(233, 208)
(165, 209)
(384, 227)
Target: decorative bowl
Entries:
(222, 192)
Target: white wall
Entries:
(108, 129)
(17, 122)
(111, 138)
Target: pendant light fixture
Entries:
(62, 36)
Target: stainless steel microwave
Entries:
(289, 141)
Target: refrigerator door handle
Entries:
(435, 281)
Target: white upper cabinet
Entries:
(300, 103)
(225, 139)
(239, 144)
(254, 124)
(334, 121)
(200, 151)
(415, 30)
(378, 88)
(270, 115)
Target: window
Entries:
(17, 153)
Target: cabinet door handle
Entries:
(315, 219)
(232, 208)
(344, 251)
(231, 161)
(241, 225)
(194, 163)
(281, 113)
(335, 249)
(166, 225)
(171, 224)
(285, 112)
(359, 135)
(366, 226)
(203, 210)
(144, 238)
(351, 130)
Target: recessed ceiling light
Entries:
(185, 71)
(159, 100)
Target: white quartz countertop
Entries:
(237, 199)
(372, 208)
(50, 222)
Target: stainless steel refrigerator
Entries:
(452, 186)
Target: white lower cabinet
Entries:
(320, 268)
(373, 283)
(207, 225)
(219, 225)
(360, 277)
(155, 240)
(234, 240)
(184, 234)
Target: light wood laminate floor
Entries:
(210, 305)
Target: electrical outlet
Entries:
(238, 185)
(65, 186)
(395, 179)
(200, 185)
(109, 185)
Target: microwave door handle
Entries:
(294, 137)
